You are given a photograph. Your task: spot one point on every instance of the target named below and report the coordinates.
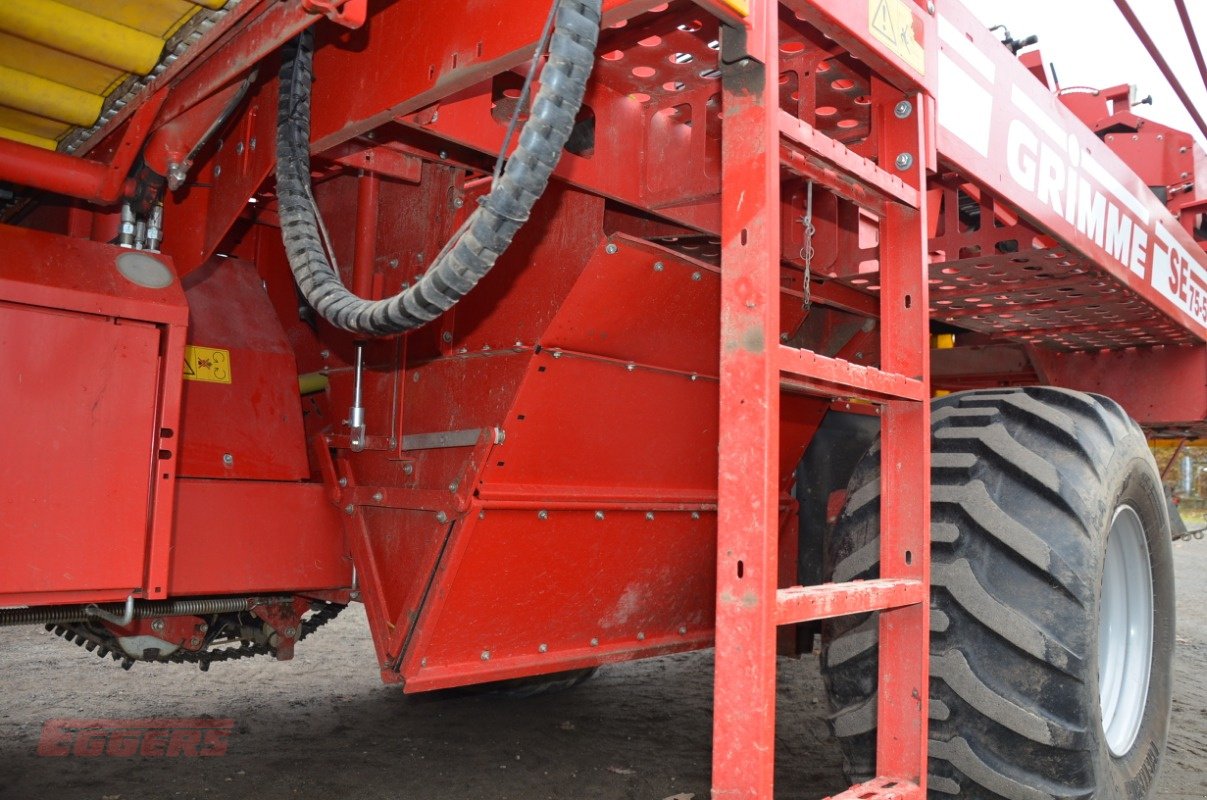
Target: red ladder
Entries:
(759, 141)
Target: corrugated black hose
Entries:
(489, 229)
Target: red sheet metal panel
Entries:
(242, 418)
(288, 537)
(80, 416)
(540, 592)
(90, 358)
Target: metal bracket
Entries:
(349, 13)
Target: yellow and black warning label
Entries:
(209, 364)
(892, 22)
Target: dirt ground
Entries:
(322, 726)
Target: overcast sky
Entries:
(1092, 45)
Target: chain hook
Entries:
(806, 252)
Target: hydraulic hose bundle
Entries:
(489, 229)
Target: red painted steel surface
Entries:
(806, 603)
(93, 412)
(588, 459)
(250, 425)
(748, 606)
(748, 496)
(81, 404)
(585, 375)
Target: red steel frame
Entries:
(754, 370)
(449, 70)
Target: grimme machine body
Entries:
(560, 336)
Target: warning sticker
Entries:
(209, 364)
(892, 22)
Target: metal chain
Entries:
(104, 645)
(806, 252)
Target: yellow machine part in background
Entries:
(60, 59)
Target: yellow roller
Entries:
(55, 65)
(159, 18)
(80, 33)
(44, 98)
(27, 138)
(943, 341)
(31, 124)
(211, 4)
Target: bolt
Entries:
(695, 276)
(458, 202)
(157, 625)
(378, 497)
(542, 514)
(611, 249)
(649, 515)
(326, 354)
(903, 109)
(194, 641)
(486, 655)
(414, 377)
(291, 632)
(217, 170)
(228, 459)
(544, 648)
(353, 595)
(239, 148)
(252, 143)
(904, 161)
(595, 643)
(422, 662)
(343, 482)
(443, 154)
(349, 509)
(659, 266)
(682, 630)
(1182, 150)
(745, 62)
(695, 515)
(783, 337)
(557, 353)
(452, 487)
(441, 517)
(408, 468)
(930, 9)
(630, 367)
(640, 636)
(695, 376)
(393, 263)
(446, 336)
(599, 515)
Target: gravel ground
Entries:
(322, 726)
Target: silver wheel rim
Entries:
(1125, 631)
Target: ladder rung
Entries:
(831, 163)
(806, 603)
(808, 371)
(885, 788)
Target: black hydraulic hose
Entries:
(489, 229)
